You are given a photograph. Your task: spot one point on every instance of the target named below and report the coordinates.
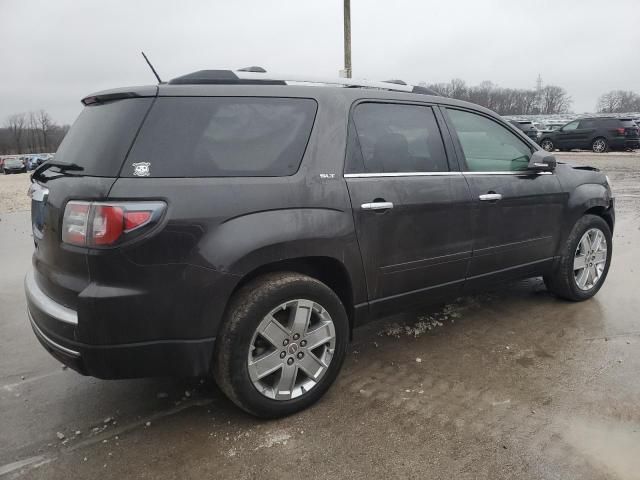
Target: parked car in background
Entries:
(32, 162)
(291, 215)
(551, 126)
(599, 134)
(14, 165)
(528, 128)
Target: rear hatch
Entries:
(95, 147)
(529, 129)
(631, 130)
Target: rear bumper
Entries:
(625, 143)
(56, 327)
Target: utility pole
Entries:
(347, 39)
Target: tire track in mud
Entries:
(460, 410)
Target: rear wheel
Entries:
(282, 344)
(585, 261)
(599, 145)
(547, 145)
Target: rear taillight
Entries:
(102, 224)
(620, 131)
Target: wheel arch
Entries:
(330, 271)
(588, 199)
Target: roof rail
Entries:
(244, 77)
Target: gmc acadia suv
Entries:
(236, 225)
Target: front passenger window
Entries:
(487, 145)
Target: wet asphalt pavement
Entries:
(510, 384)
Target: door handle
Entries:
(377, 206)
(490, 197)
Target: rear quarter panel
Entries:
(232, 226)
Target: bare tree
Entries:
(507, 101)
(31, 133)
(554, 99)
(16, 124)
(618, 101)
(45, 123)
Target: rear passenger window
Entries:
(398, 138)
(487, 145)
(590, 123)
(223, 137)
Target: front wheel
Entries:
(281, 345)
(547, 145)
(585, 260)
(600, 145)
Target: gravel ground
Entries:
(13, 193)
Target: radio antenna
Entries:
(151, 67)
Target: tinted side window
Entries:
(590, 123)
(570, 126)
(223, 137)
(487, 145)
(399, 138)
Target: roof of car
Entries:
(323, 92)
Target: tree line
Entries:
(618, 101)
(549, 99)
(32, 132)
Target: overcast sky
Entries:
(56, 51)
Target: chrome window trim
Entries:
(400, 174)
(46, 304)
(440, 174)
(518, 172)
(50, 342)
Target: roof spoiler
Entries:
(119, 94)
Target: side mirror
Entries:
(542, 161)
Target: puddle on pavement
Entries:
(612, 445)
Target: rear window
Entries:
(102, 134)
(628, 123)
(222, 137)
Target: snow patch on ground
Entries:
(424, 323)
(274, 438)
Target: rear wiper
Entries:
(63, 166)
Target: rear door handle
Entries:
(377, 206)
(490, 197)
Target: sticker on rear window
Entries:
(141, 169)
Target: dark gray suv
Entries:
(240, 225)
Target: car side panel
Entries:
(585, 190)
(224, 228)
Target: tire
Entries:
(547, 145)
(564, 280)
(599, 145)
(240, 348)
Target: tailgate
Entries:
(97, 146)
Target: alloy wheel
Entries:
(599, 145)
(590, 259)
(291, 349)
(547, 145)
